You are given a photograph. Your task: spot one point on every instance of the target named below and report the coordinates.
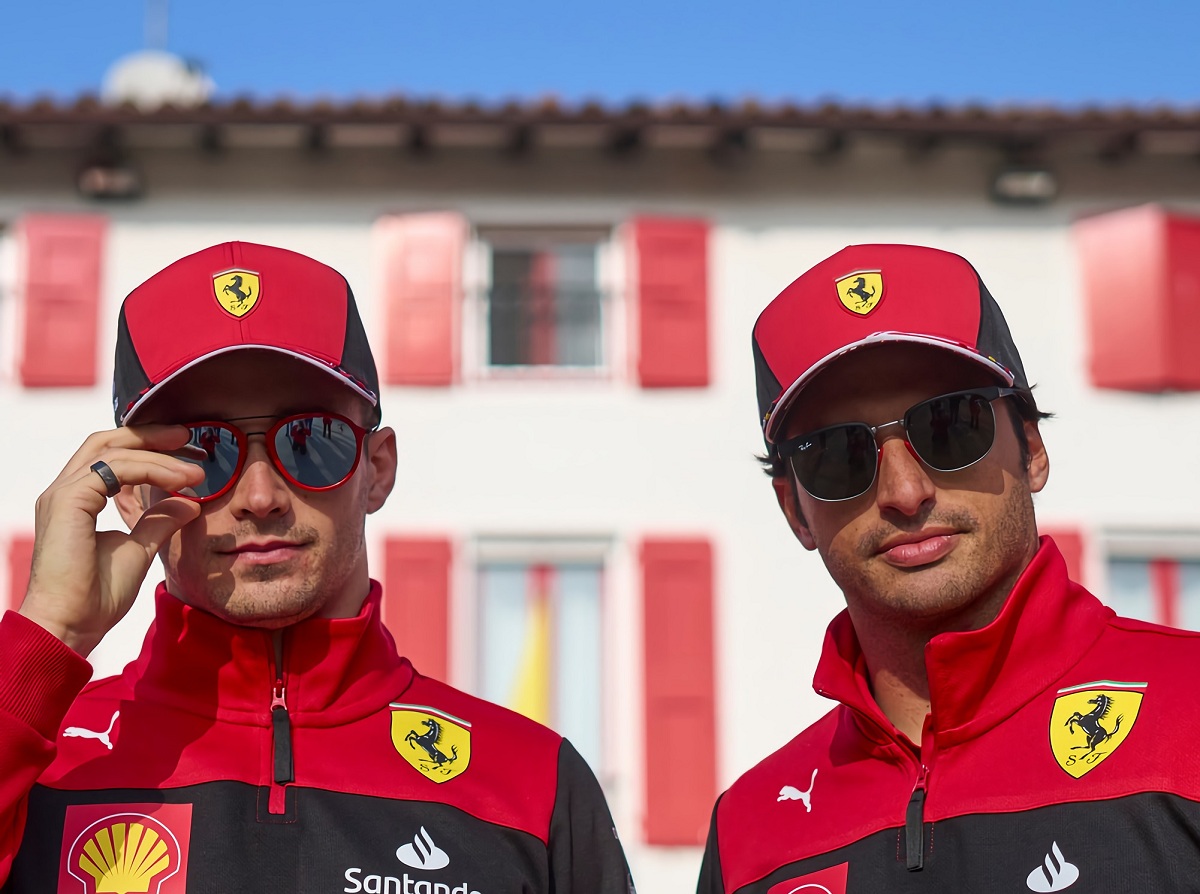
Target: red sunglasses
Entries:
(313, 451)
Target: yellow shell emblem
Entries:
(435, 743)
(126, 855)
(237, 291)
(860, 292)
(1089, 722)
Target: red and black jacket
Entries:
(1060, 749)
(228, 758)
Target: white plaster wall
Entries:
(552, 458)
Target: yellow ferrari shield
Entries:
(1089, 722)
(236, 291)
(861, 291)
(434, 742)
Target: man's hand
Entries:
(83, 581)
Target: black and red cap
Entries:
(871, 294)
(234, 296)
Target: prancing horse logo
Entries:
(238, 291)
(428, 740)
(433, 742)
(234, 288)
(1090, 721)
(861, 291)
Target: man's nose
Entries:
(903, 483)
(260, 490)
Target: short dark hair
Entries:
(1027, 411)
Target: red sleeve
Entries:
(39, 679)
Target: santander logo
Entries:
(422, 853)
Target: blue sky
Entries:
(1061, 52)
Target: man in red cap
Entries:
(998, 728)
(268, 737)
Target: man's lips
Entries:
(264, 551)
(919, 547)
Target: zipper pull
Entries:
(281, 723)
(281, 733)
(914, 825)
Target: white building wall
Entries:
(606, 458)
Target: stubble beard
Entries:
(278, 595)
(966, 590)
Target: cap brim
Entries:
(780, 411)
(324, 367)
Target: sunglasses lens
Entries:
(836, 463)
(315, 450)
(214, 448)
(953, 431)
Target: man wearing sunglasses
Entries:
(268, 737)
(998, 728)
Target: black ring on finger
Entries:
(112, 485)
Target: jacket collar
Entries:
(977, 678)
(334, 670)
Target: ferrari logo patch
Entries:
(435, 743)
(237, 291)
(861, 292)
(1089, 722)
(125, 848)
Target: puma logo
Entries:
(81, 733)
(791, 793)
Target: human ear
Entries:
(789, 503)
(1038, 469)
(380, 456)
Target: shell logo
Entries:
(125, 853)
(831, 880)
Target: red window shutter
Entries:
(680, 727)
(416, 600)
(671, 275)
(20, 560)
(61, 264)
(1070, 543)
(1141, 279)
(422, 289)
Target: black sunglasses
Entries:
(947, 433)
(314, 451)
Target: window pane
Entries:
(578, 695)
(1188, 613)
(1129, 589)
(539, 646)
(503, 609)
(544, 307)
(578, 306)
(507, 325)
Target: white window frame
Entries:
(610, 281)
(1144, 545)
(535, 549)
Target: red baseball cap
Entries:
(234, 296)
(871, 294)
